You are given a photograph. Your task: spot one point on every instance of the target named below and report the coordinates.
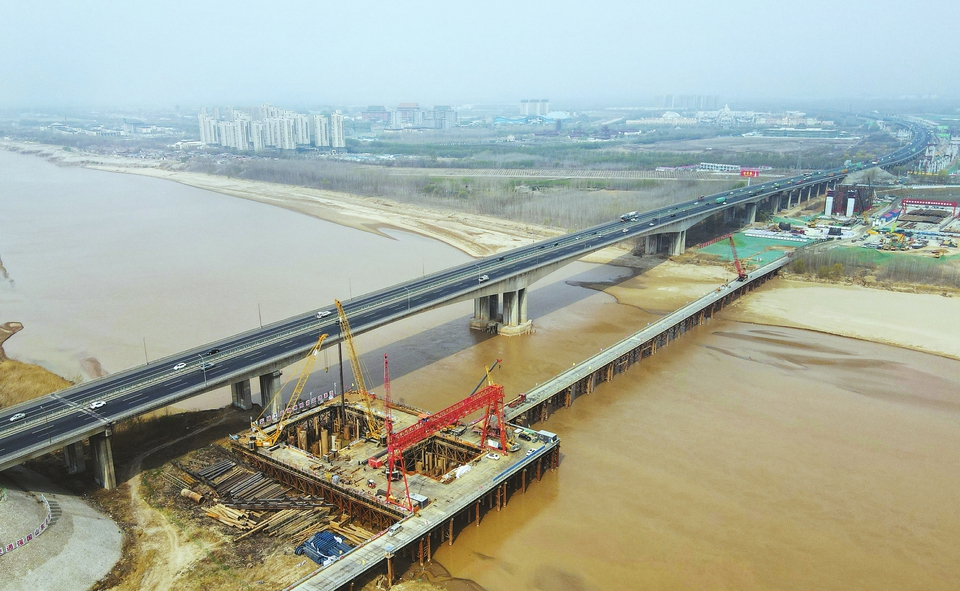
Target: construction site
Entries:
(362, 487)
(360, 474)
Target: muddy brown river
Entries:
(741, 457)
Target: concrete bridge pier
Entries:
(651, 243)
(269, 386)
(241, 395)
(73, 456)
(751, 211)
(678, 242)
(486, 310)
(102, 452)
(515, 321)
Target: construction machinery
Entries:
(388, 428)
(486, 376)
(263, 439)
(489, 399)
(741, 274)
(374, 430)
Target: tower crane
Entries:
(373, 428)
(264, 439)
(741, 274)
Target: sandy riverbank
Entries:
(476, 235)
(923, 322)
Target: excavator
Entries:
(261, 437)
(374, 428)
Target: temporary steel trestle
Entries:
(539, 406)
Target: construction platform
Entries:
(454, 477)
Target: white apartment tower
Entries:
(209, 130)
(301, 129)
(321, 131)
(258, 136)
(336, 130)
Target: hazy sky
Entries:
(161, 53)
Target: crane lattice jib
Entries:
(302, 380)
(271, 438)
(373, 430)
(736, 260)
(490, 397)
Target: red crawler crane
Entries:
(741, 274)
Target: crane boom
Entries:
(741, 275)
(270, 439)
(373, 429)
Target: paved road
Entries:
(66, 416)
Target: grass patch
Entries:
(20, 382)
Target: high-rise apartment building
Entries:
(409, 115)
(301, 135)
(321, 131)
(209, 131)
(265, 127)
(233, 134)
(533, 107)
(258, 136)
(444, 117)
(337, 139)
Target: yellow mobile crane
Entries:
(264, 439)
(373, 427)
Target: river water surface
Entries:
(742, 457)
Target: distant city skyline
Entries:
(102, 53)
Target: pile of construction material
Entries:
(353, 533)
(231, 517)
(233, 482)
(255, 503)
(289, 522)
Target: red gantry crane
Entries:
(489, 399)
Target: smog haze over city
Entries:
(160, 54)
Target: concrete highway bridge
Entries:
(497, 284)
